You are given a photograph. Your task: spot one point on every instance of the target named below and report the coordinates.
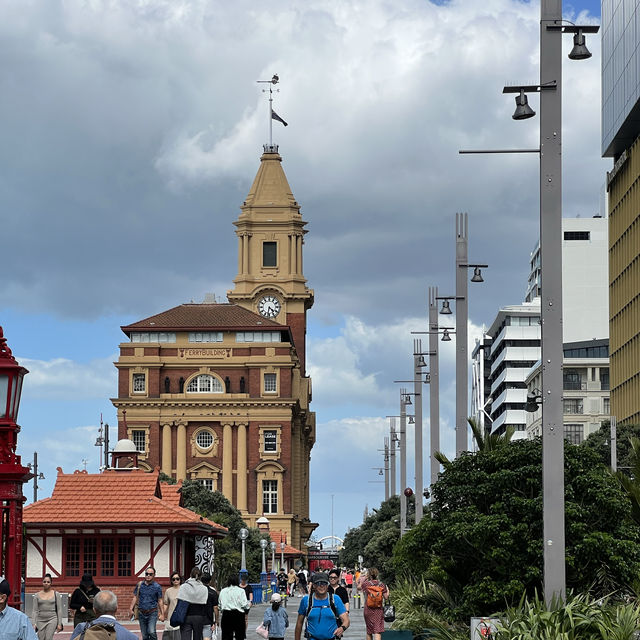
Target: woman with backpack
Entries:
(374, 594)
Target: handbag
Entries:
(388, 611)
(179, 613)
(263, 631)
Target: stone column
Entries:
(299, 256)
(227, 462)
(181, 452)
(166, 449)
(241, 466)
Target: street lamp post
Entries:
(393, 438)
(386, 468)
(263, 576)
(282, 546)
(462, 321)
(36, 476)
(550, 152)
(418, 362)
(243, 534)
(273, 558)
(404, 400)
(12, 473)
(434, 387)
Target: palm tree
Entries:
(485, 441)
(630, 481)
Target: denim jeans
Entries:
(148, 623)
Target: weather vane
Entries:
(272, 114)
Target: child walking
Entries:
(276, 618)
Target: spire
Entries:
(270, 187)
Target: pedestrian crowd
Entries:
(194, 610)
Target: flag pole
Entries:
(274, 80)
(270, 117)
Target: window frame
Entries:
(136, 376)
(120, 544)
(269, 496)
(269, 245)
(273, 378)
(197, 379)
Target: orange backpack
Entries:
(375, 596)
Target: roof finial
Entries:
(272, 148)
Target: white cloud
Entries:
(64, 379)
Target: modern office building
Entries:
(511, 345)
(585, 278)
(218, 392)
(621, 142)
(585, 390)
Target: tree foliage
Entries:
(483, 539)
(375, 538)
(228, 551)
(599, 441)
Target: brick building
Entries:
(218, 392)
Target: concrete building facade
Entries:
(585, 390)
(620, 141)
(218, 392)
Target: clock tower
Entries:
(270, 232)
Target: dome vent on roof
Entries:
(125, 446)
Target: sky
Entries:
(131, 133)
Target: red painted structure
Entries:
(12, 474)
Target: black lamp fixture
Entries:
(523, 110)
(579, 51)
(477, 275)
(534, 399)
(446, 309)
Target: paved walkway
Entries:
(355, 632)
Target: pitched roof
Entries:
(171, 493)
(278, 537)
(219, 316)
(114, 497)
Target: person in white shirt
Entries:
(233, 604)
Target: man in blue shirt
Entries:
(321, 621)
(148, 596)
(14, 625)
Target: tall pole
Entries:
(613, 423)
(434, 384)
(386, 468)
(392, 456)
(403, 462)
(35, 476)
(417, 394)
(462, 314)
(106, 445)
(551, 303)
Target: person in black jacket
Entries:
(82, 600)
(211, 613)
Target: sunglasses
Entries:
(322, 584)
(148, 573)
(175, 579)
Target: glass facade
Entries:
(620, 75)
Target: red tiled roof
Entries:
(278, 537)
(171, 493)
(113, 497)
(219, 316)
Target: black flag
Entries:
(275, 116)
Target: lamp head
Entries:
(421, 362)
(533, 402)
(579, 51)
(446, 309)
(407, 399)
(446, 336)
(523, 110)
(477, 275)
(412, 420)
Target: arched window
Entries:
(205, 384)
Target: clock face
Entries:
(269, 306)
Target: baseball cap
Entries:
(320, 577)
(5, 587)
(276, 597)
